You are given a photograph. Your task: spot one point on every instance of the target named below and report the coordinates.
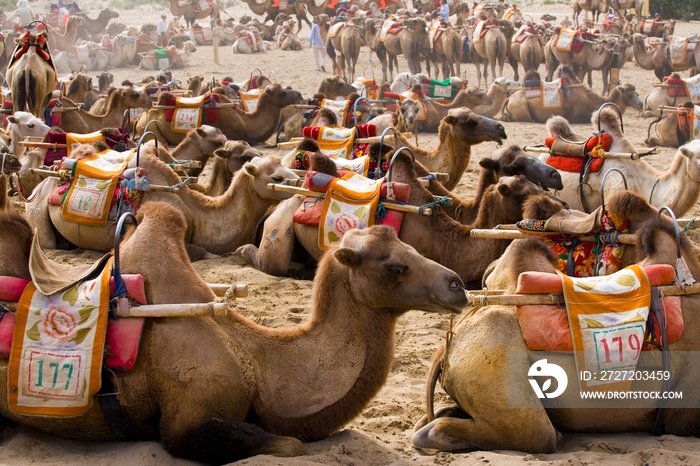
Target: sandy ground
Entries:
(381, 434)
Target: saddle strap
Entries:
(118, 421)
(583, 176)
(657, 310)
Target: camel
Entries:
(64, 42)
(227, 162)
(459, 131)
(498, 92)
(447, 50)
(441, 238)
(123, 50)
(657, 58)
(436, 111)
(492, 48)
(187, 11)
(287, 40)
(671, 129)
(255, 127)
(344, 49)
(678, 187)
(493, 419)
(200, 144)
(661, 97)
(80, 121)
(577, 108)
(611, 53)
(90, 56)
(79, 87)
(216, 225)
(530, 51)
(333, 87)
(99, 24)
(266, 9)
(208, 424)
(21, 125)
(32, 77)
(178, 58)
(371, 38)
(596, 7)
(410, 41)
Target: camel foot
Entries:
(438, 436)
(198, 253)
(249, 253)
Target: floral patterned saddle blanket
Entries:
(60, 335)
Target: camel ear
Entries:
(223, 153)
(12, 119)
(503, 190)
(348, 257)
(123, 92)
(251, 169)
(200, 132)
(683, 149)
(489, 163)
(450, 120)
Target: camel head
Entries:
(691, 151)
(471, 127)
(608, 120)
(208, 138)
(385, 273)
(627, 95)
(74, 22)
(81, 81)
(334, 86)
(281, 97)
(478, 97)
(10, 163)
(104, 80)
(510, 193)
(529, 254)
(135, 99)
(237, 153)
(511, 160)
(108, 13)
(264, 170)
(189, 47)
(24, 124)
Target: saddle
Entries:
(575, 156)
(676, 87)
(210, 103)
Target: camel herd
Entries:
(238, 388)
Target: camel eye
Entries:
(278, 179)
(30, 125)
(397, 269)
(454, 286)
(556, 175)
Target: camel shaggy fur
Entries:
(237, 407)
(82, 122)
(227, 161)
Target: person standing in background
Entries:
(161, 30)
(445, 12)
(24, 13)
(319, 48)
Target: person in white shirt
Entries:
(24, 13)
(162, 29)
(318, 47)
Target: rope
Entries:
(689, 225)
(440, 201)
(381, 213)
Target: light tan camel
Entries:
(344, 49)
(80, 121)
(32, 77)
(187, 11)
(442, 238)
(297, 384)
(436, 111)
(288, 40)
(200, 144)
(79, 87)
(333, 87)
(658, 59)
(668, 131)
(447, 50)
(459, 131)
(498, 92)
(660, 96)
(216, 225)
(530, 51)
(493, 419)
(65, 42)
(492, 48)
(255, 127)
(678, 187)
(577, 108)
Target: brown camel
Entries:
(671, 129)
(447, 50)
(200, 144)
(344, 49)
(243, 404)
(595, 7)
(32, 77)
(656, 59)
(187, 11)
(436, 111)
(227, 162)
(255, 127)
(79, 87)
(411, 40)
(15, 238)
(459, 131)
(441, 238)
(371, 37)
(65, 42)
(493, 418)
(80, 121)
(602, 56)
(266, 9)
(492, 48)
(331, 87)
(577, 108)
(678, 187)
(217, 225)
(99, 24)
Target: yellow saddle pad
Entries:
(73, 140)
(188, 114)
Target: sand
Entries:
(381, 435)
